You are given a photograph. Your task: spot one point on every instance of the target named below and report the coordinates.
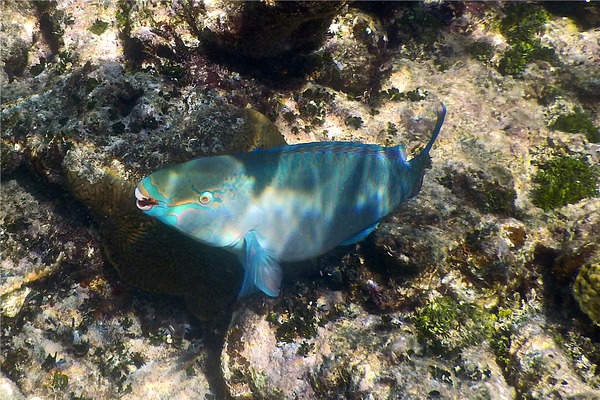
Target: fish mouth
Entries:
(144, 203)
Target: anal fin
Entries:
(360, 235)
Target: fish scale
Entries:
(289, 203)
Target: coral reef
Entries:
(483, 286)
(587, 290)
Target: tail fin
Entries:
(422, 160)
(441, 114)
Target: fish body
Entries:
(288, 203)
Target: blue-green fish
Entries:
(288, 203)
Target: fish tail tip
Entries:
(441, 115)
(441, 107)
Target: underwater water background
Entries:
(485, 285)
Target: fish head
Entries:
(203, 198)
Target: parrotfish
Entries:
(287, 203)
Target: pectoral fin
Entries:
(360, 235)
(261, 268)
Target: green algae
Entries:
(520, 26)
(441, 374)
(354, 121)
(99, 27)
(298, 318)
(305, 348)
(424, 22)
(14, 363)
(549, 95)
(59, 381)
(394, 94)
(446, 324)
(38, 68)
(300, 322)
(577, 122)
(564, 180)
(517, 57)
(523, 21)
(501, 338)
(499, 202)
(481, 50)
(438, 318)
(585, 353)
(312, 106)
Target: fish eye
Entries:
(205, 197)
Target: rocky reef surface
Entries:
(486, 285)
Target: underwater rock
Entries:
(17, 40)
(534, 354)
(407, 249)
(345, 353)
(11, 155)
(42, 236)
(9, 390)
(230, 130)
(587, 83)
(79, 332)
(39, 129)
(48, 250)
(18, 48)
(267, 30)
(351, 55)
(159, 36)
(15, 58)
(586, 15)
(491, 191)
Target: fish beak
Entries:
(144, 203)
